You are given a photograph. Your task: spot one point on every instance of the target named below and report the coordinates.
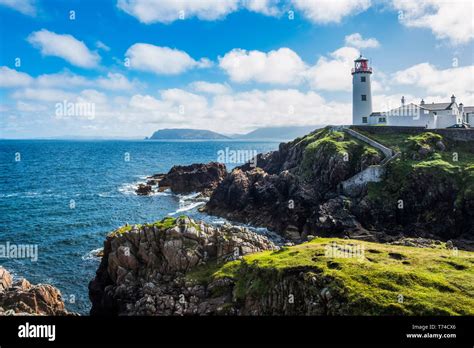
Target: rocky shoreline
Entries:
(198, 177)
(186, 267)
(143, 270)
(22, 298)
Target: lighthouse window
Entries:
(362, 79)
(364, 97)
(364, 119)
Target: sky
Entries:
(125, 68)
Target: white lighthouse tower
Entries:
(361, 91)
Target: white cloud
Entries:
(167, 11)
(282, 66)
(64, 79)
(26, 7)
(330, 11)
(459, 80)
(99, 44)
(42, 94)
(266, 7)
(256, 108)
(64, 46)
(115, 81)
(333, 73)
(356, 40)
(28, 107)
(13, 78)
(162, 60)
(140, 114)
(210, 88)
(68, 80)
(451, 20)
(238, 112)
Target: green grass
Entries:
(454, 163)
(326, 143)
(431, 281)
(163, 225)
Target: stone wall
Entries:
(385, 150)
(356, 184)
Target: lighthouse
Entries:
(361, 91)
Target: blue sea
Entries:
(65, 196)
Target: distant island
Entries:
(186, 134)
(274, 133)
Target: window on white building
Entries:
(364, 119)
(364, 97)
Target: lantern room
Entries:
(361, 65)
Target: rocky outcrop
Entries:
(289, 190)
(196, 177)
(144, 190)
(22, 298)
(296, 190)
(165, 269)
(143, 270)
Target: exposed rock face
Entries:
(295, 191)
(22, 298)
(143, 270)
(144, 190)
(425, 203)
(291, 189)
(196, 177)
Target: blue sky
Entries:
(229, 66)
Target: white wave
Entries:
(189, 196)
(187, 207)
(92, 255)
(128, 188)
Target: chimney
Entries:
(461, 107)
(403, 100)
(453, 99)
(422, 102)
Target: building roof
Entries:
(469, 109)
(436, 106)
(377, 113)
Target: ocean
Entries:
(62, 197)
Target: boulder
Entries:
(23, 298)
(142, 271)
(196, 177)
(144, 190)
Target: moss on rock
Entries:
(380, 279)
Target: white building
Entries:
(434, 115)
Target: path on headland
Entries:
(374, 173)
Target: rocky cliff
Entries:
(181, 267)
(198, 177)
(294, 190)
(143, 267)
(22, 298)
(426, 192)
